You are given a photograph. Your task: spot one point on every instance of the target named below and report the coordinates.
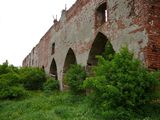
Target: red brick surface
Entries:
(153, 29)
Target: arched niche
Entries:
(53, 69)
(98, 47)
(70, 59)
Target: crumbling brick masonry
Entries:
(83, 30)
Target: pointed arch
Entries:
(70, 59)
(98, 47)
(53, 69)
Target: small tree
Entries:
(75, 77)
(121, 82)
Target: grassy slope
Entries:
(59, 106)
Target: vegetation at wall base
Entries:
(38, 106)
(74, 78)
(121, 85)
(120, 88)
(50, 85)
(108, 52)
(64, 106)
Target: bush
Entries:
(13, 80)
(121, 82)
(32, 78)
(50, 85)
(10, 87)
(109, 51)
(74, 78)
(12, 92)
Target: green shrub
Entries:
(12, 92)
(32, 78)
(13, 80)
(10, 88)
(50, 85)
(10, 84)
(74, 78)
(121, 82)
(109, 51)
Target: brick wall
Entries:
(153, 29)
(135, 23)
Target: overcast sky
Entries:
(23, 23)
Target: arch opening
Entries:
(70, 59)
(53, 69)
(98, 47)
(101, 15)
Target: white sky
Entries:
(23, 23)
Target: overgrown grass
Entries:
(59, 106)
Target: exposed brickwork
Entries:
(132, 22)
(153, 28)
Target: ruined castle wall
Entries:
(38, 57)
(132, 23)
